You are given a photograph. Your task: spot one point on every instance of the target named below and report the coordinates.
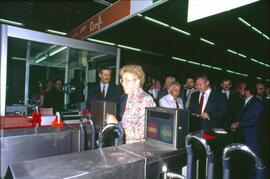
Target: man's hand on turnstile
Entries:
(234, 126)
(111, 119)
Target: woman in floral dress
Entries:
(133, 119)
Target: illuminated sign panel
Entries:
(198, 9)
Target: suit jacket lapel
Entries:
(197, 106)
(249, 103)
(98, 91)
(108, 91)
(210, 98)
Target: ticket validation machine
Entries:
(167, 127)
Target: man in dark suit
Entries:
(103, 90)
(249, 124)
(233, 101)
(55, 97)
(187, 91)
(207, 105)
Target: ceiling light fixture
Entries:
(179, 30)
(259, 78)
(156, 21)
(229, 71)
(56, 32)
(18, 58)
(41, 58)
(243, 21)
(253, 28)
(216, 68)
(101, 41)
(207, 66)
(265, 36)
(207, 41)
(231, 51)
(56, 51)
(129, 48)
(195, 63)
(103, 2)
(179, 59)
(256, 30)
(242, 55)
(11, 22)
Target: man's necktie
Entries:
(103, 91)
(201, 102)
(177, 105)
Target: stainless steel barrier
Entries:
(190, 160)
(260, 168)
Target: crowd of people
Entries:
(243, 111)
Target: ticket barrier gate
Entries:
(260, 169)
(203, 138)
(117, 129)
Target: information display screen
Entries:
(160, 126)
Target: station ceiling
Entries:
(238, 48)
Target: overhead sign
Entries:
(198, 9)
(114, 14)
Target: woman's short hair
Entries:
(135, 70)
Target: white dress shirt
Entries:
(106, 87)
(169, 102)
(205, 99)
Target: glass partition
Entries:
(34, 69)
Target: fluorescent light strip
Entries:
(195, 63)
(56, 32)
(259, 78)
(11, 22)
(18, 58)
(242, 55)
(156, 21)
(245, 22)
(229, 71)
(101, 41)
(256, 30)
(252, 59)
(266, 65)
(130, 48)
(236, 73)
(216, 68)
(261, 63)
(207, 41)
(41, 59)
(267, 79)
(57, 51)
(231, 51)
(265, 36)
(179, 30)
(253, 28)
(140, 15)
(179, 59)
(207, 66)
